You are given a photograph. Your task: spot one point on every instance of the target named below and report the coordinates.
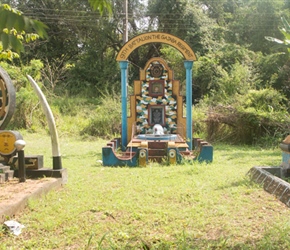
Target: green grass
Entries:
(199, 206)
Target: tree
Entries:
(252, 21)
(13, 31)
(14, 27)
(222, 11)
(101, 5)
(280, 80)
(73, 28)
(285, 30)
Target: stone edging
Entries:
(271, 183)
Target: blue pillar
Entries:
(124, 67)
(188, 66)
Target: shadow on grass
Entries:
(222, 243)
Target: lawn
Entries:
(197, 206)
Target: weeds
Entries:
(189, 206)
(106, 120)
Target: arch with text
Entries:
(156, 37)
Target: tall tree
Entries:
(75, 33)
(222, 11)
(13, 23)
(253, 20)
(280, 79)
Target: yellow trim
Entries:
(144, 144)
(134, 144)
(155, 37)
(172, 160)
(8, 139)
(182, 145)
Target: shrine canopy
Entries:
(156, 37)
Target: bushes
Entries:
(74, 115)
(28, 113)
(231, 111)
(106, 120)
(259, 117)
(248, 126)
(240, 97)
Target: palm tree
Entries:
(285, 30)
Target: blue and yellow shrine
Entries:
(156, 128)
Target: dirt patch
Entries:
(14, 194)
(12, 188)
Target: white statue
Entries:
(158, 130)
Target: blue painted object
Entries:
(206, 154)
(110, 159)
(188, 66)
(285, 159)
(124, 67)
(152, 137)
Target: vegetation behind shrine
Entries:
(241, 80)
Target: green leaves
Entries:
(13, 28)
(38, 26)
(13, 19)
(285, 30)
(101, 5)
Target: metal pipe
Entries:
(21, 166)
(19, 145)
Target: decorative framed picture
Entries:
(156, 114)
(156, 87)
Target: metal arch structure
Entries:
(189, 58)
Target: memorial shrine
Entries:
(156, 129)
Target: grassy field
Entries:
(199, 206)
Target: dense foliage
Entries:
(241, 86)
(16, 29)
